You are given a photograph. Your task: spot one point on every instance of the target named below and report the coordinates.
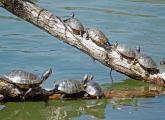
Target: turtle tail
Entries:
(46, 74)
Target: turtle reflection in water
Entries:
(25, 81)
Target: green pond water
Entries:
(133, 22)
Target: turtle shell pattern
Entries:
(147, 62)
(69, 86)
(126, 51)
(97, 36)
(76, 25)
(23, 79)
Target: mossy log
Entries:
(55, 26)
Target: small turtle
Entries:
(70, 86)
(75, 25)
(25, 80)
(98, 37)
(93, 89)
(125, 51)
(147, 63)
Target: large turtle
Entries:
(66, 87)
(75, 25)
(25, 80)
(98, 37)
(147, 63)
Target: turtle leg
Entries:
(62, 96)
(86, 95)
(97, 97)
(27, 93)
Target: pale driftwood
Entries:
(56, 27)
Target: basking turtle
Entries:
(75, 25)
(98, 37)
(147, 63)
(125, 51)
(70, 86)
(93, 89)
(25, 80)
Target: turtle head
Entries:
(46, 74)
(162, 61)
(115, 44)
(72, 15)
(56, 87)
(87, 78)
(138, 49)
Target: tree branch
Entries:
(55, 26)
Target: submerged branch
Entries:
(55, 26)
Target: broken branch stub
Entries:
(55, 26)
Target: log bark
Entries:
(55, 26)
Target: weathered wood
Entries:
(56, 27)
(107, 95)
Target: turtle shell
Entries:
(76, 25)
(147, 62)
(93, 89)
(23, 79)
(125, 51)
(97, 36)
(69, 86)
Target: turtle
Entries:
(125, 51)
(98, 37)
(25, 80)
(92, 88)
(65, 87)
(147, 63)
(75, 25)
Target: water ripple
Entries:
(109, 11)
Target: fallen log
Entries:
(55, 26)
(127, 89)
